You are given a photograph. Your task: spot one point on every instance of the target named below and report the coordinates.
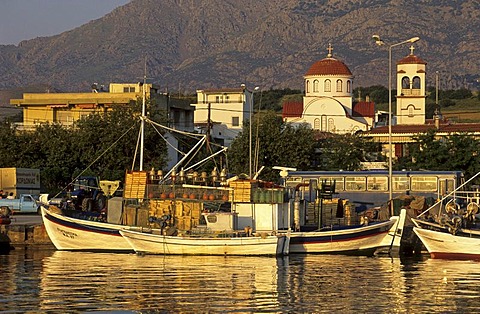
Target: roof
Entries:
(223, 90)
(364, 109)
(411, 59)
(423, 128)
(292, 109)
(329, 66)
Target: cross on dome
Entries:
(330, 49)
(412, 49)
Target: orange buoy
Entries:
(184, 195)
(193, 196)
(171, 195)
(163, 195)
(205, 196)
(211, 197)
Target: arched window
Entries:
(307, 89)
(411, 109)
(328, 86)
(416, 83)
(405, 83)
(316, 124)
(331, 125)
(315, 86)
(339, 85)
(349, 86)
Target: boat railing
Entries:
(456, 193)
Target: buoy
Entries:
(171, 195)
(205, 197)
(193, 196)
(211, 197)
(163, 195)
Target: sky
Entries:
(28, 19)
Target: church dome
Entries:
(329, 66)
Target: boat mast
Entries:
(142, 121)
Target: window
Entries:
(217, 99)
(331, 125)
(405, 83)
(416, 83)
(235, 121)
(227, 98)
(316, 124)
(349, 86)
(307, 86)
(400, 184)
(128, 89)
(424, 183)
(355, 184)
(411, 108)
(328, 86)
(315, 86)
(377, 183)
(339, 85)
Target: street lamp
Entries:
(250, 133)
(380, 42)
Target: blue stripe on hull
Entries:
(82, 227)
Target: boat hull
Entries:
(73, 234)
(359, 240)
(444, 245)
(148, 243)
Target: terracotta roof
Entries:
(329, 66)
(422, 128)
(411, 59)
(364, 109)
(292, 109)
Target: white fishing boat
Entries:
(259, 244)
(451, 231)
(366, 239)
(73, 234)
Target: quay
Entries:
(23, 230)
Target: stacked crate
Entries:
(242, 190)
(135, 184)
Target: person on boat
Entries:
(10, 196)
(1, 194)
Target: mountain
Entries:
(197, 44)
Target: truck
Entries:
(27, 203)
(20, 181)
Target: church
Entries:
(328, 104)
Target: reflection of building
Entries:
(328, 102)
(224, 111)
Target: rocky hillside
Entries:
(195, 44)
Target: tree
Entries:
(344, 151)
(454, 152)
(277, 143)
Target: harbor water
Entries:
(49, 281)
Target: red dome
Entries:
(329, 66)
(411, 59)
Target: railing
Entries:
(411, 92)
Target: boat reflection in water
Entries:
(105, 281)
(81, 281)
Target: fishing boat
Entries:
(175, 206)
(76, 234)
(364, 239)
(449, 229)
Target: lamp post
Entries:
(380, 42)
(250, 133)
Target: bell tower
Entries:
(411, 72)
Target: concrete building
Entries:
(223, 111)
(66, 108)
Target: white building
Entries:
(224, 111)
(328, 103)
